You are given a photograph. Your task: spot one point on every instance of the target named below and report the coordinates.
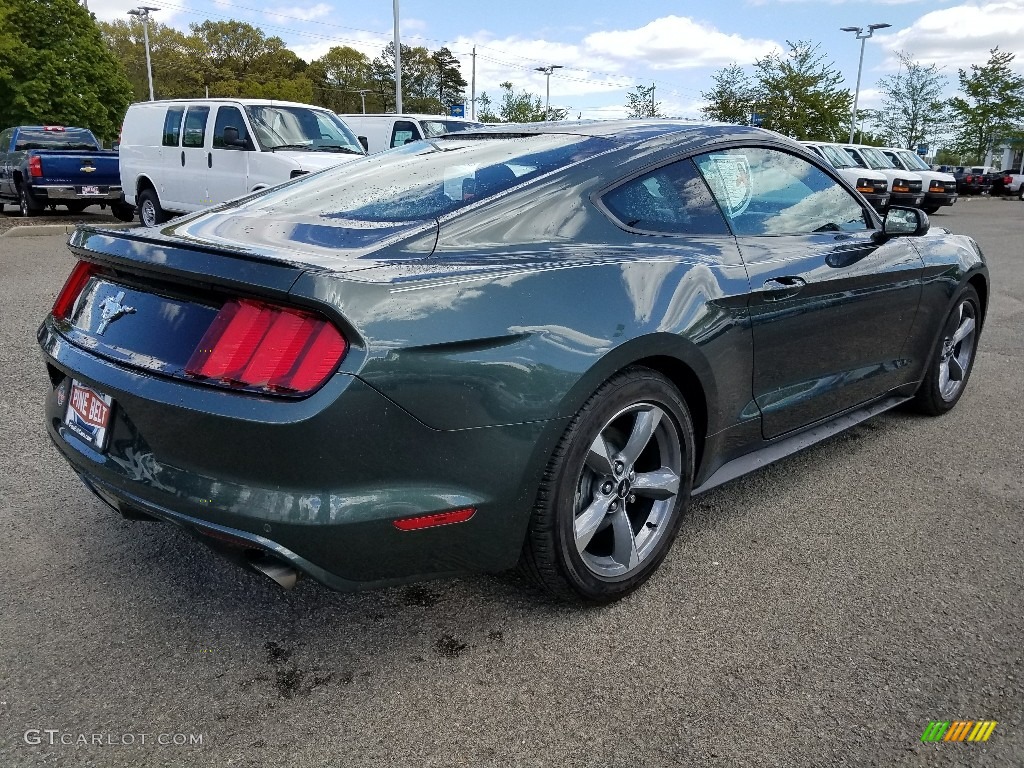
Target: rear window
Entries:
(428, 179)
(64, 138)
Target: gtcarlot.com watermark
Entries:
(58, 738)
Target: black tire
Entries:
(77, 206)
(150, 212)
(953, 359)
(27, 204)
(930, 209)
(609, 560)
(122, 211)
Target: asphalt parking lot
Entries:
(818, 613)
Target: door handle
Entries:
(209, 159)
(183, 158)
(778, 288)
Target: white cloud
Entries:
(300, 13)
(676, 42)
(960, 36)
(112, 10)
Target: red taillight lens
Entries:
(35, 166)
(72, 289)
(255, 345)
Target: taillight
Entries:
(269, 348)
(72, 289)
(434, 520)
(35, 166)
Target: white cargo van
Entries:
(182, 155)
(939, 188)
(872, 184)
(905, 187)
(379, 132)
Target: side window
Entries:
(671, 200)
(195, 127)
(769, 192)
(172, 126)
(402, 132)
(230, 117)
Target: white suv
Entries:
(182, 155)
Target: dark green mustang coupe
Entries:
(529, 344)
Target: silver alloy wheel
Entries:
(23, 202)
(627, 490)
(957, 351)
(147, 213)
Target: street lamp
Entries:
(362, 94)
(862, 37)
(143, 13)
(547, 99)
(398, 63)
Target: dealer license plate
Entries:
(88, 414)
(91, 191)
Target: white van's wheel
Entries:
(150, 212)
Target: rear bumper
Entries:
(317, 483)
(105, 193)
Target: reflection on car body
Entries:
(519, 345)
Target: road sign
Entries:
(457, 110)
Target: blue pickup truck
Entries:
(49, 165)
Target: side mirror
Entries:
(362, 140)
(232, 140)
(903, 222)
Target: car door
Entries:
(228, 159)
(6, 179)
(830, 305)
(403, 131)
(189, 192)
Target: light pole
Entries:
(862, 37)
(398, 64)
(143, 13)
(547, 98)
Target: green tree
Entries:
(174, 58)
(337, 78)
(912, 106)
(731, 100)
(451, 85)
(522, 107)
(485, 109)
(799, 94)
(56, 68)
(640, 102)
(991, 108)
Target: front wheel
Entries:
(930, 209)
(612, 497)
(150, 212)
(953, 358)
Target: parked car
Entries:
(905, 187)
(976, 180)
(49, 165)
(379, 132)
(872, 184)
(1013, 183)
(939, 187)
(182, 155)
(518, 345)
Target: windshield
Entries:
(56, 138)
(875, 158)
(427, 179)
(913, 161)
(301, 128)
(434, 128)
(836, 156)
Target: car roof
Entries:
(414, 115)
(625, 130)
(232, 100)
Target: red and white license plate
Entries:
(90, 190)
(88, 414)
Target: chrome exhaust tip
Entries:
(284, 575)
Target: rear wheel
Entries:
(953, 359)
(612, 497)
(150, 212)
(27, 204)
(77, 206)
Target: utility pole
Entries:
(472, 88)
(398, 64)
(653, 108)
(856, 94)
(547, 99)
(143, 13)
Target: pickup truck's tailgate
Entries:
(78, 167)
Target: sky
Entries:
(606, 47)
